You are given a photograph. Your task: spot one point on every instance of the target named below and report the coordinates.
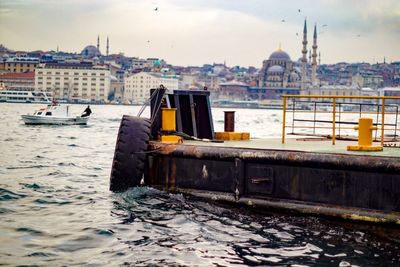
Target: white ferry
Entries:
(15, 96)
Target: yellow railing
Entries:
(334, 103)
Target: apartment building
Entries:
(74, 81)
(20, 64)
(137, 86)
(17, 81)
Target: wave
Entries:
(6, 195)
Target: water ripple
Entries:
(6, 195)
(56, 209)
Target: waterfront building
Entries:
(368, 80)
(17, 81)
(233, 90)
(138, 85)
(74, 81)
(336, 90)
(116, 90)
(20, 64)
(390, 91)
(147, 64)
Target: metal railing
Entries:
(310, 106)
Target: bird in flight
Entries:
(156, 9)
(298, 10)
(324, 25)
(283, 20)
(359, 35)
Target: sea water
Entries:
(56, 208)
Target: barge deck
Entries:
(308, 177)
(301, 174)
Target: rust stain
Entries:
(295, 185)
(172, 180)
(166, 173)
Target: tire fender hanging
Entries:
(130, 153)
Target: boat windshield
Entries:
(48, 113)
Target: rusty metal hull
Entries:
(363, 188)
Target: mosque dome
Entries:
(279, 55)
(275, 68)
(90, 51)
(294, 76)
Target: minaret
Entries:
(98, 42)
(319, 58)
(107, 46)
(309, 55)
(314, 57)
(304, 58)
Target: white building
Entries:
(137, 86)
(74, 81)
(342, 90)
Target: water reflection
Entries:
(202, 234)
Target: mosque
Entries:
(279, 71)
(92, 51)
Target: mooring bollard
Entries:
(168, 123)
(229, 121)
(229, 133)
(168, 119)
(365, 129)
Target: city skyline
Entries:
(196, 32)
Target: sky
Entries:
(197, 32)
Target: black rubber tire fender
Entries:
(130, 153)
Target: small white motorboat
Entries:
(56, 114)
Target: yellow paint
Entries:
(168, 123)
(232, 136)
(383, 122)
(284, 119)
(334, 98)
(168, 119)
(365, 129)
(334, 121)
(171, 139)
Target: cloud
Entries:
(200, 31)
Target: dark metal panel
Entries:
(327, 182)
(205, 175)
(179, 126)
(156, 102)
(193, 115)
(284, 157)
(259, 179)
(199, 174)
(210, 118)
(203, 118)
(239, 178)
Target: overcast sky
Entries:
(194, 32)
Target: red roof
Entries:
(15, 75)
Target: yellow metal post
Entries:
(284, 119)
(168, 123)
(365, 129)
(334, 121)
(168, 119)
(383, 122)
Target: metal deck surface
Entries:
(305, 144)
